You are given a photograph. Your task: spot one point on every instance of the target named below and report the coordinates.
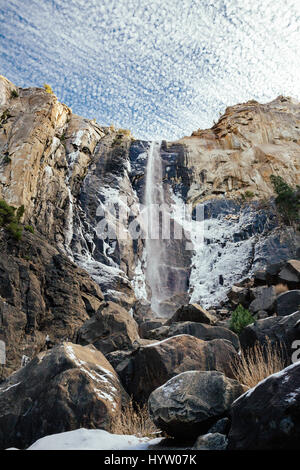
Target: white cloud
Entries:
(162, 69)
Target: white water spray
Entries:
(166, 273)
(154, 196)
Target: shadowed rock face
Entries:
(211, 441)
(280, 331)
(63, 389)
(201, 331)
(288, 302)
(41, 293)
(267, 417)
(152, 365)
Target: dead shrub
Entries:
(135, 420)
(257, 363)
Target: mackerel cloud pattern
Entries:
(162, 69)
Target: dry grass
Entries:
(135, 420)
(280, 288)
(259, 362)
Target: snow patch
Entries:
(139, 279)
(222, 256)
(92, 439)
(101, 379)
(3, 390)
(164, 340)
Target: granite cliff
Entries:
(67, 171)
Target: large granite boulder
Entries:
(278, 330)
(192, 313)
(190, 402)
(112, 328)
(151, 366)
(265, 299)
(288, 302)
(199, 330)
(267, 417)
(66, 388)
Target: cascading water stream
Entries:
(154, 197)
(166, 274)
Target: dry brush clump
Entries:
(259, 362)
(135, 420)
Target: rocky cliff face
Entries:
(250, 142)
(69, 173)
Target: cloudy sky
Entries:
(161, 68)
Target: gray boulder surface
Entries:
(63, 389)
(151, 366)
(189, 403)
(267, 417)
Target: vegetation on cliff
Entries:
(10, 218)
(48, 88)
(287, 200)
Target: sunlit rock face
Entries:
(250, 142)
(69, 171)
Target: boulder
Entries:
(142, 311)
(225, 323)
(170, 305)
(260, 278)
(221, 427)
(123, 356)
(278, 330)
(290, 274)
(267, 417)
(247, 282)
(118, 357)
(66, 388)
(265, 299)
(149, 325)
(193, 313)
(239, 295)
(272, 271)
(189, 403)
(151, 366)
(199, 330)
(211, 441)
(288, 302)
(261, 314)
(110, 329)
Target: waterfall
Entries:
(154, 196)
(166, 261)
